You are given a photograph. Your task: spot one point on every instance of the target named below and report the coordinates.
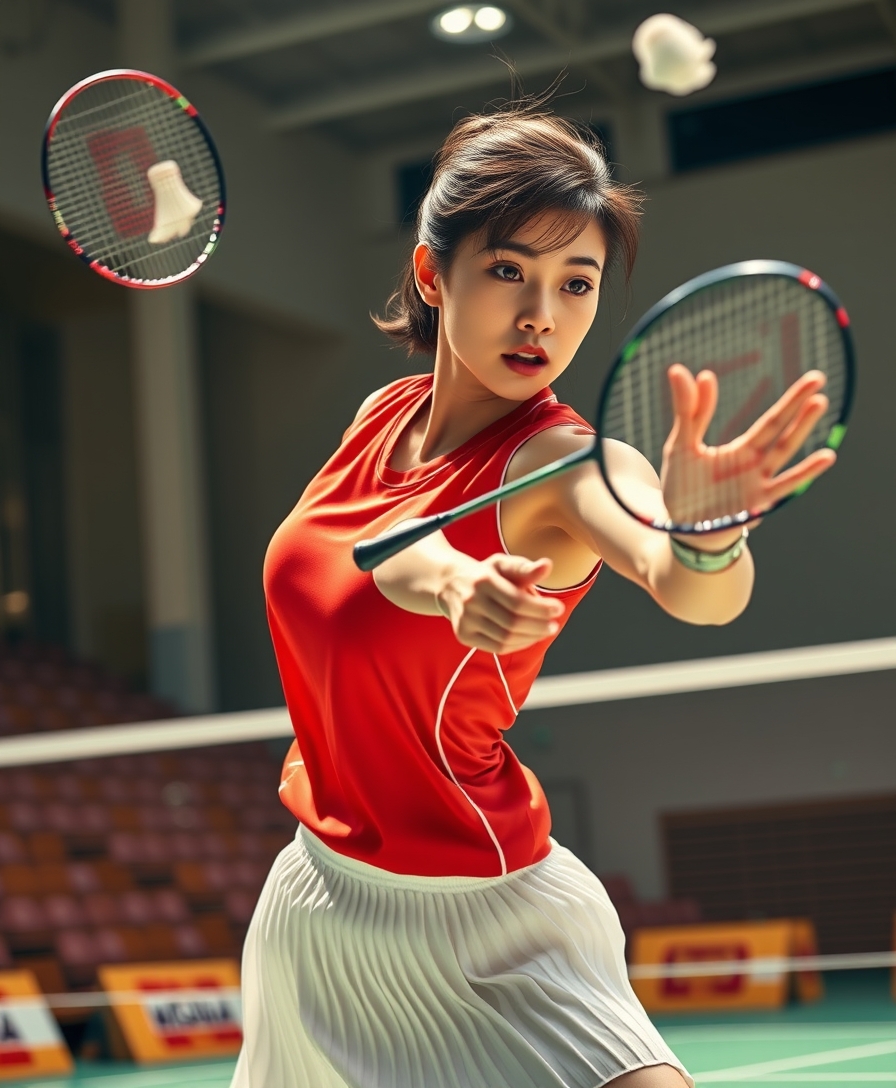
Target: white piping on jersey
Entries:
(541, 589)
(438, 735)
(286, 781)
(506, 686)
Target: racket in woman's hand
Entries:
(133, 179)
(733, 387)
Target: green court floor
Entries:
(849, 1039)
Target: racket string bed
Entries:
(758, 334)
(102, 145)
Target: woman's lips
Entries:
(524, 365)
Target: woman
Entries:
(423, 930)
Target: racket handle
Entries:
(370, 553)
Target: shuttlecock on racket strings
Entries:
(176, 207)
(673, 55)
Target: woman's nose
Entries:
(536, 316)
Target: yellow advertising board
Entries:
(176, 1011)
(732, 943)
(31, 1044)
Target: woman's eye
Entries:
(506, 272)
(579, 287)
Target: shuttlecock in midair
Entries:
(674, 56)
(176, 206)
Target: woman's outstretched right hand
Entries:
(493, 604)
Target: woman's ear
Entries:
(426, 276)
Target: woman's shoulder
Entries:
(395, 394)
(551, 412)
(553, 430)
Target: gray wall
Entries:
(635, 759)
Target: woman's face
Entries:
(513, 317)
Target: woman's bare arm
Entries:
(579, 505)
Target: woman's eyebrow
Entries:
(530, 251)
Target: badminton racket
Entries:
(133, 179)
(758, 327)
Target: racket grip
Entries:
(370, 553)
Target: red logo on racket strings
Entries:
(122, 158)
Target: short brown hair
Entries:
(495, 173)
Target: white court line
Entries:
(604, 685)
(202, 1074)
(801, 1061)
(713, 1034)
(835, 1078)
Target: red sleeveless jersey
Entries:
(400, 759)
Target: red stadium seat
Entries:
(217, 933)
(19, 878)
(102, 909)
(239, 904)
(63, 911)
(213, 844)
(136, 908)
(24, 816)
(82, 877)
(185, 846)
(53, 878)
(12, 848)
(46, 846)
(24, 923)
(93, 818)
(191, 944)
(170, 906)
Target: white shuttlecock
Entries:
(674, 56)
(176, 206)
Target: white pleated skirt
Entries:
(354, 977)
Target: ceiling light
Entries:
(471, 23)
(489, 18)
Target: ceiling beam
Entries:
(309, 26)
(820, 66)
(887, 11)
(529, 12)
(722, 18)
(416, 85)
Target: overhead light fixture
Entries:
(471, 23)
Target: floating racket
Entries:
(758, 326)
(133, 179)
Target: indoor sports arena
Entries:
(280, 278)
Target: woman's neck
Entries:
(459, 408)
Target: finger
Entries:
(512, 624)
(707, 399)
(801, 475)
(683, 389)
(521, 571)
(770, 424)
(487, 635)
(797, 433)
(505, 602)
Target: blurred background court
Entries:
(151, 442)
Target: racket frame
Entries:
(368, 554)
(629, 348)
(190, 110)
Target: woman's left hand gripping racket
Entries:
(133, 179)
(735, 388)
